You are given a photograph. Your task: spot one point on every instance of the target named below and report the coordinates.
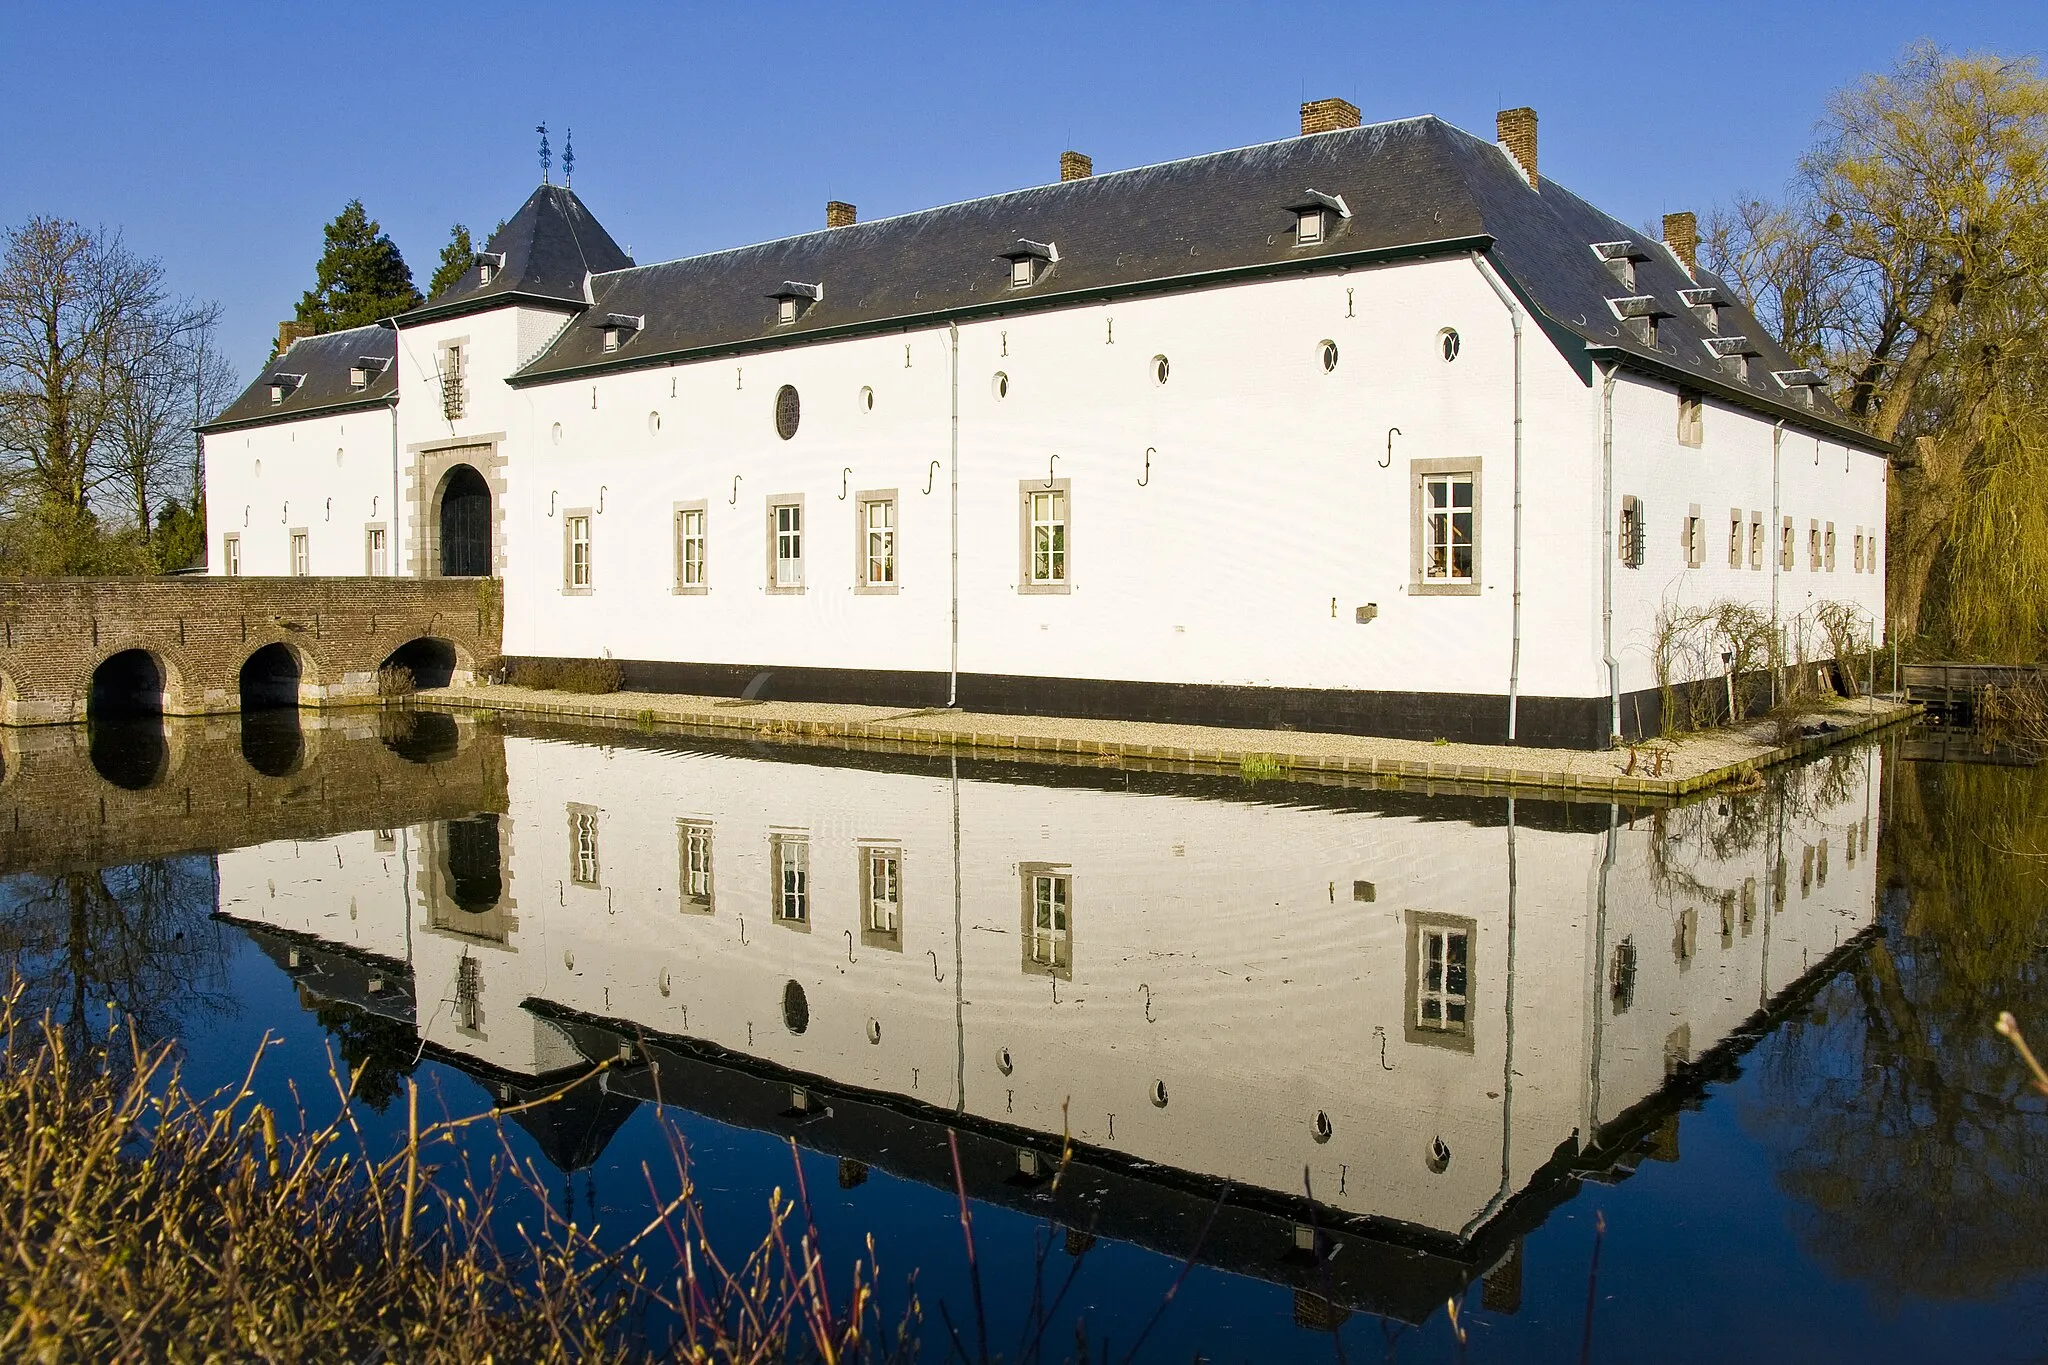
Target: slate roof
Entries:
(321, 366)
(546, 248)
(1415, 187)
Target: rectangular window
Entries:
(1691, 418)
(453, 390)
(1309, 228)
(691, 547)
(789, 855)
(1047, 537)
(1020, 272)
(1048, 920)
(1787, 556)
(583, 868)
(1756, 540)
(1735, 537)
(1630, 532)
(695, 838)
(576, 550)
(302, 555)
(231, 555)
(377, 563)
(1827, 548)
(469, 990)
(1440, 980)
(881, 896)
(1812, 544)
(877, 533)
(785, 310)
(1443, 553)
(1695, 538)
(1857, 562)
(786, 546)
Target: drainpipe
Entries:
(1607, 549)
(1776, 545)
(1507, 1079)
(953, 479)
(1515, 627)
(396, 511)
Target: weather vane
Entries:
(569, 158)
(546, 157)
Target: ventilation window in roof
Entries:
(1706, 305)
(489, 263)
(1620, 259)
(365, 370)
(1801, 384)
(619, 328)
(793, 298)
(1733, 353)
(1316, 216)
(1640, 314)
(282, 386)
(1029, 261)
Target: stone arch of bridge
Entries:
(130, 679)
(276, 672)
(434, 660)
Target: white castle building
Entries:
(1372, 429)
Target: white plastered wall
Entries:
(328, 476)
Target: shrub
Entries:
(396, 680)
(595, 676)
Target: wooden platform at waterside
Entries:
(1950, 691)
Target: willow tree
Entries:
(1908, 262)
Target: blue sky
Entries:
(221, 137)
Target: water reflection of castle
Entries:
(1443, 1010)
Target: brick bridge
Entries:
(71, 648)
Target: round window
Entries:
(1447, 341)
(867, 400)
(1160, 368)
(1001, 385)
(1329, 351)
(788, 411)
(653, 423)
(796, 1008)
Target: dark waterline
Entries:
(1750, 1033)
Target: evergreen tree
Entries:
(456, 259)
(362, 278)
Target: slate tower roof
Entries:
(543, 253)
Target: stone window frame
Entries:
(231, 555)
(775, 502)
(1788, 546)
(1756, 540)
(1813, 544)
(676, 510)
(1418, 471)
(376, 528)
(1027, 875)
(689, 902)
(1692, 419)
(1025, 583)
(570, 587)
(863, 500)
(1827, 546)
(294, 538)
(1738, 537)
(579, 814)
(779, 841)
(889, 940)
(1414, 923)
(454, 406)
(427, 468)
(1693, 537)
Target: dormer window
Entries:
(365, 370)
(1316, 216)
(1733, 353)
(1706, 305)
(1620, 259)
(282, 386)
(793, 298)
(1801, 384)
(488, 264)
(619, 328)
(1640, 314)
(1029, 261)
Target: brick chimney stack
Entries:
(839, 214)
(1076, 166)
(1682, 235)
(1326, 116)
(288, 332)
(1516, 129)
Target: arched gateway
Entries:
(465, 524)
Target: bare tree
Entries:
(169, 379)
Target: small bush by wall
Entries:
(594, 676)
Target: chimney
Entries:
(838, 214)
(1326, 116)
(1075, 166)
(1682, 235)
(1516, 129)
(288, 332)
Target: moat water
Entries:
(1349, 1055)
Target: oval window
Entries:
(788, 411)
(259, 469)
(1161, 367)
(1321, 1128)
(1439, 1159)
(1447, 342)
(796, 1008)
(653, 423)
(337, 457)
(1001, 385)
(1003, 1062)
(664, 983)
(1159, 1094)
(867, 400)
(874, 1030)
(1329, 352)
(557, 433)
